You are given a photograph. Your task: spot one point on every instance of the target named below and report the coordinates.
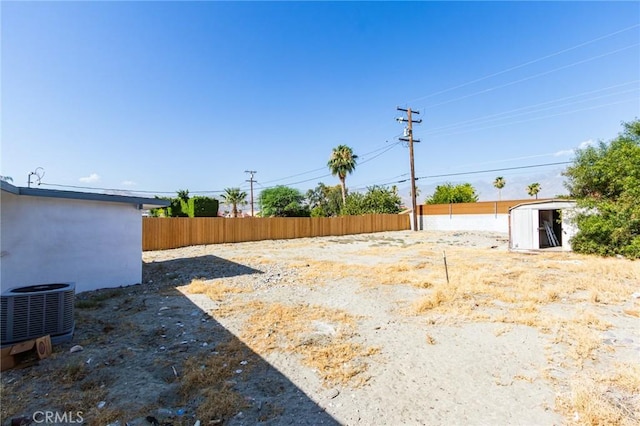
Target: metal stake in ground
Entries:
(446, 269)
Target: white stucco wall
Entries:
(465, 222)
(49, 240)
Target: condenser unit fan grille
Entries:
(34, 311)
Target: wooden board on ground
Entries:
(22, 352)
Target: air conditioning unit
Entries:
(30, 312)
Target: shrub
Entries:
(449, 193)
(605, 180)
(202, 207)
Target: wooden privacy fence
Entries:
(166, 233)
(481, 207)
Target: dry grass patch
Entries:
(77, 388)
(320, 270)
(322, 337)
(406, 273)
(219, 404)
(520, 289)
(581, 341)
(632, 312)
(502, 330)
(415, 275)
(338, 362)
(96, 299)
(411, 251)
(73, 371)
(627, 378)
(237, 308)
(215, 290)
(604, 399)
(438, 297)
(207, 378)
(526, 280)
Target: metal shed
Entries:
(540, 225)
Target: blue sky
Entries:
(161, 96)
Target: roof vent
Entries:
(30, 312)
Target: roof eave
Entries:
(142, 202)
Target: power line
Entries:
(635, 99)
(493, 117)
(369, 159)
(388, 181)
(526, 63)
(504, 169)
(532, 76)
(389, 148)
(263, 187)
(506, 160)
(379, 181)
(385, 148)
(476, 172)
(126, 190)
(296, 175)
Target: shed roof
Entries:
(541, 203)
(142, 202)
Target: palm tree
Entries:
(533, 189)
(342, 163)
(499, 183)
(234, 197)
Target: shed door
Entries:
(522, 226)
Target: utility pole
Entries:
(409, 138)
(251, 172)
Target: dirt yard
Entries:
(350, 330)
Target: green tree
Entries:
(183, 194)
(341, 163)
(605, 181)
(325, 201)
(449, 193)
(200, 206)
(533, 189)
(160, 211)
(178, 208)
(234, 197)
(192, 207)
(282, 201)
(499, 183)
(354, 205)
(377, 199)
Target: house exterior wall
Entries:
(465, 222)
(48, 240)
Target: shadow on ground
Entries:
(182, 271)
(151, 355)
